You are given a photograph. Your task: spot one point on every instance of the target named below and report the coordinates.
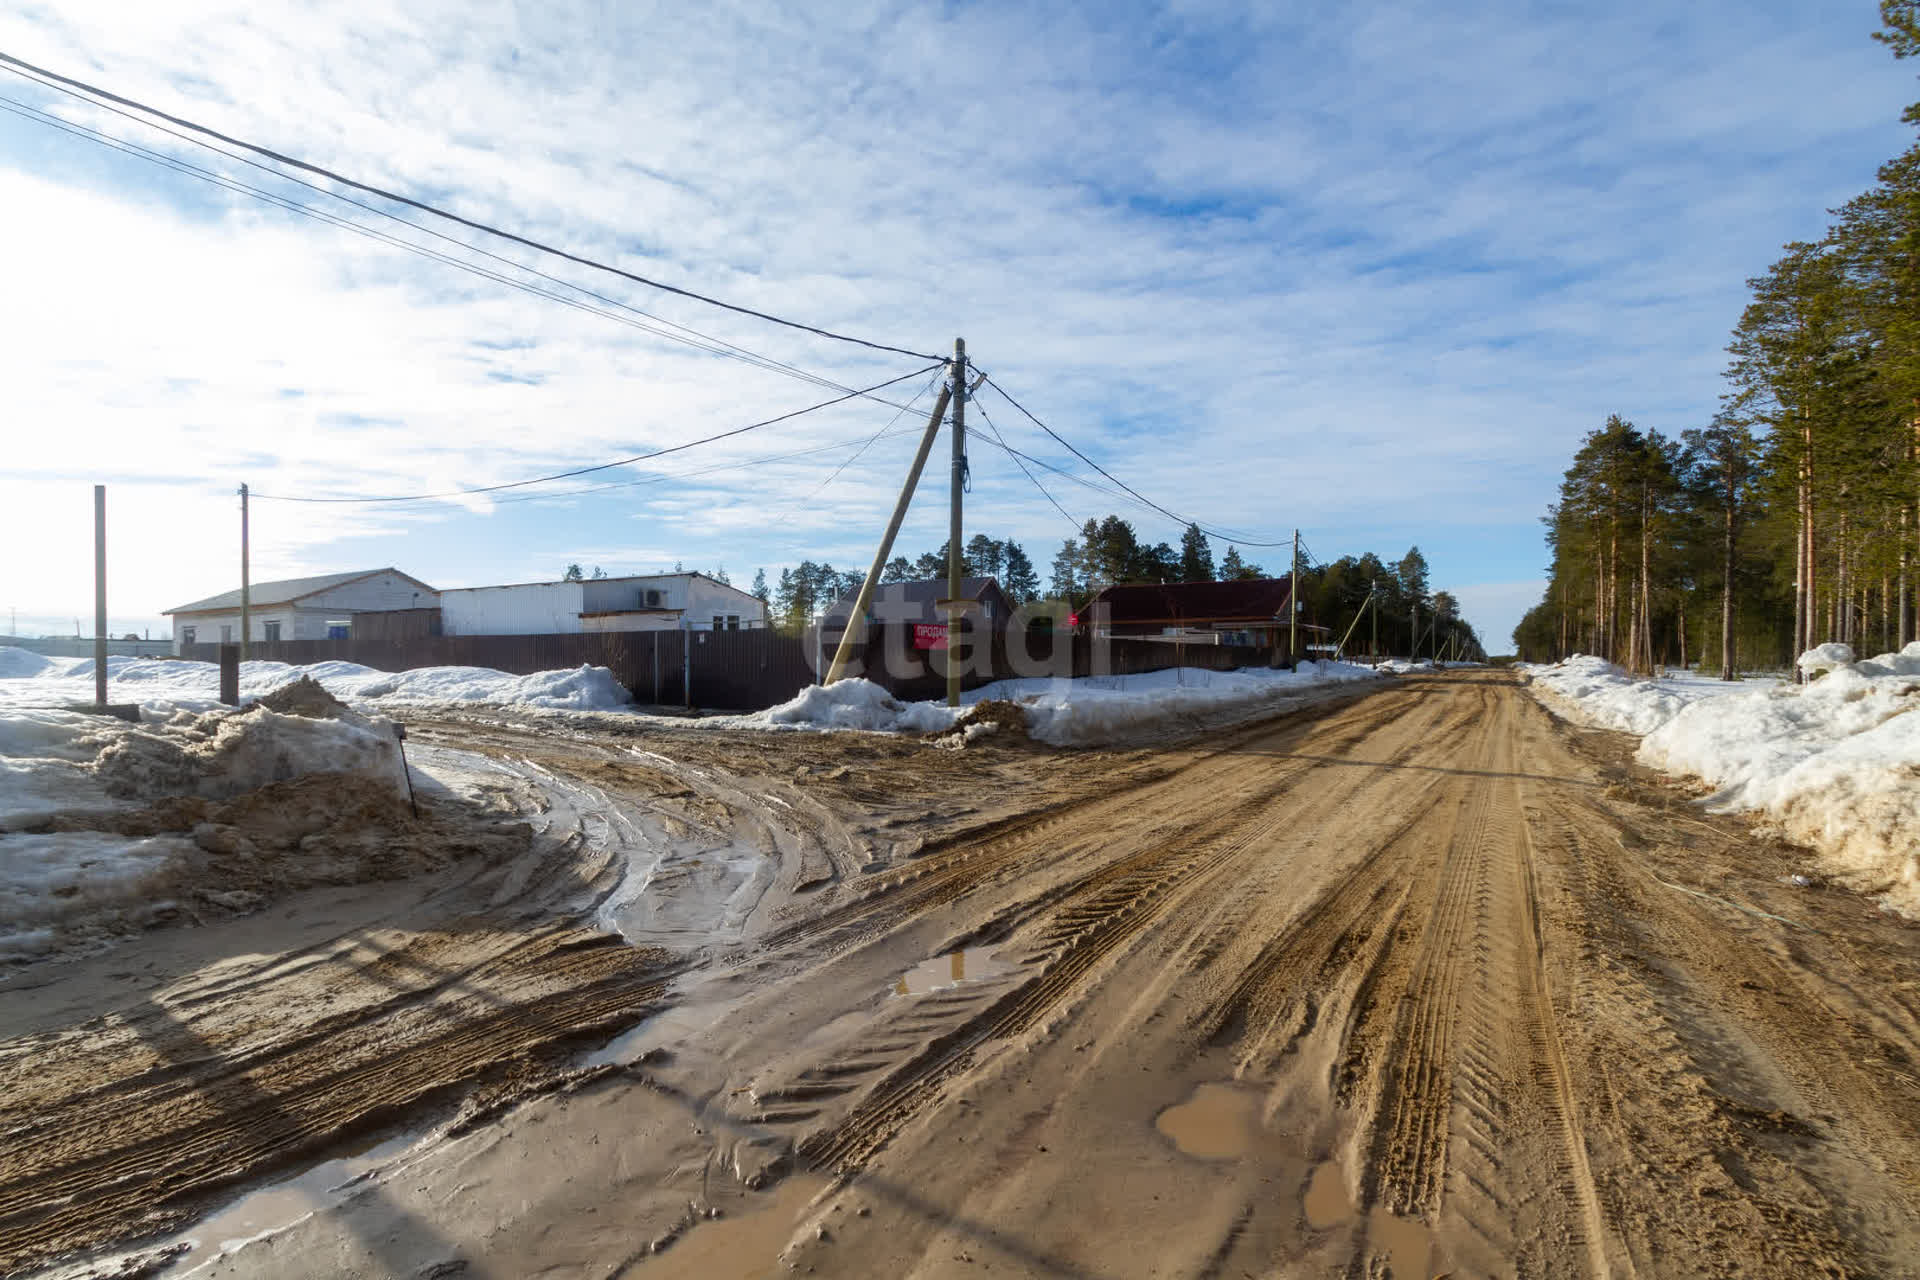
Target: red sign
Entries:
(929, 635)
(1073, 619)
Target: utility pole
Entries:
(959, 481)
(1373, 650)
(1293, 601)
(865, 598)
(246, 588)
(99, 595)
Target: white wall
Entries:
(386, 590)
(533, 609)
(706, 598)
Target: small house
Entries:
(1246, 611)
(918, 603)
(299, 608)
(649, 602)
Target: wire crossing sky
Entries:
(1372, 270)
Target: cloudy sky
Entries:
(1365, 269)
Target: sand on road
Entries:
(1410, 982)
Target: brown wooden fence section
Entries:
(752, 670)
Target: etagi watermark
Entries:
(1000, 648)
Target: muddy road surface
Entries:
(1409, 982)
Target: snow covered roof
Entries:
(1241, 600)
(285, 591)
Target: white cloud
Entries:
(1421, 251)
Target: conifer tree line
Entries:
(1412, 618)
(1790, 519)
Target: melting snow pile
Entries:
(164, 687)
(107, 827)
(1602, 694)
(1093, 709)
(1835, 763)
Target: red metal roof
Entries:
(1193, 604)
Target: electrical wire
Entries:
(982, 411)
(602, 466)
(17, 66)
(656, 325)
(561, 495)
(1137, 495)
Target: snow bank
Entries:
(859, 704)
(1083, 712)
(55, 879)
(165, 687)
(1603, 695)
(1835, 763)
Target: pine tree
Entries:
(1196, 556)
(1018, 578)
(759, 591)
(573, 574)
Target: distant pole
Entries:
(246, 587)
(1374, 648)
(100, 595)
(953, 524)
(1293, 602)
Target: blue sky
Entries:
(1370, 270)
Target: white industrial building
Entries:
(653, 602)
(299, 608)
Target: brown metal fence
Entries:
(752, 670)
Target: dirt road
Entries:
(1412, 982)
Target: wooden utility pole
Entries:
(100, 595)
(865, 597)
(1293, 602)
(246, 586)
(1373, 649)
(959, 481)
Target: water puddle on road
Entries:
(1220, 1122)
(1328, 1204)
(279, 1206)
(950, 970)
(1406, 1242)
(743, 1247)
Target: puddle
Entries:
(1220, 1122)
(1328, 1204)
(950, 970)
(1406, 1242)
(663, 1030)
(742, 1247)
(280, 1205)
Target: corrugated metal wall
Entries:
(748, 670)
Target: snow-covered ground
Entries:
(1836, 763)
(1063, 712)
(163, 686)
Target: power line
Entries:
(982, 411)
(744, 464)
(690, 337)
(602, 466)
(1171, 515)
(18, 65)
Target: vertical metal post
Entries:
(953, 523)
(100, 595)
(686, 663)
(246, 585)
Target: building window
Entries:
(186, 635)
(273, 632)
(719, 623)
(733, 622)
(226, 633)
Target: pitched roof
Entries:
(285, 591)
(1192, 603)
(924, 593)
